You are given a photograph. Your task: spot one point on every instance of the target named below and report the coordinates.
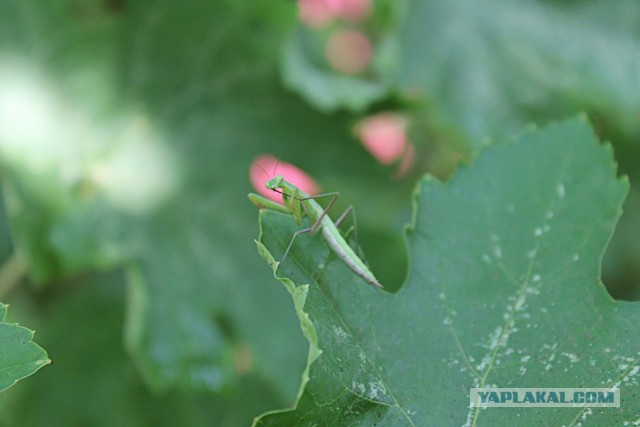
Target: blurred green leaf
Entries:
(326, 89)
(307, 71)
(500, 292)
(19, 356)
(94, 380)
(490, 68)
(204, 99)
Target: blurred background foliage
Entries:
(128, 127)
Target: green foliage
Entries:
(127, 129)
(490, 68)
(82, 327)
(19, 356)
(499, 292)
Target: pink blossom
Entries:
(266, 166)
(335, 6)
(349, 51)
(316, 13)
(384, 136)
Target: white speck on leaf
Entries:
(497, 252)
(376, 389)
(340, 334)
(357, 387)
(573, 358)
(483, 364)
(560, 190)
(495, 337)
(532, 290)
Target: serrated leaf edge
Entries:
(43, 359)
(299, 296)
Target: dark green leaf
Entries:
(500, 293)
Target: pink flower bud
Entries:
(316, 13)
(384, 136)
(266, 166)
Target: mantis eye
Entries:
(273, 183)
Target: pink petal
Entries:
(316, 13)
(335, 6)
(273, 167)
(384, 136)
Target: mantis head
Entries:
(274, 183)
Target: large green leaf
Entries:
(19, 356)
(490, 67)
(504, 290)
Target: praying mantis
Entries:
(297, 202)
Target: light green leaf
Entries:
(504, 290)
(19, 356)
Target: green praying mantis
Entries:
(297, 202)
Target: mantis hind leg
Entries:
(351, 210)
(315, 225)
(296, 234)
